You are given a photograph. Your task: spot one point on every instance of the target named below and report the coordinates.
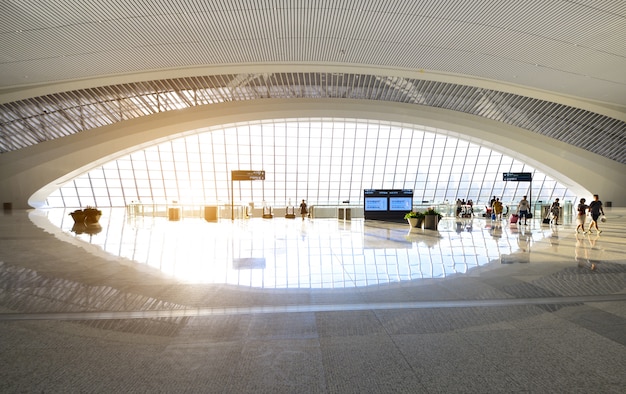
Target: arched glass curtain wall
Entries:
(325, 161)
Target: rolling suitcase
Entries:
(514, 218)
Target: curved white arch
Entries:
(25, 92)
(29, 175)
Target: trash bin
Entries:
(173, 214)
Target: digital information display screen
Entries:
(404, 204)
(387, 204)
(375, 203)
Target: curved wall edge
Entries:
(29, 175)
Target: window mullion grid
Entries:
(395, 167)
(248, 153)
(238, 160)
(217, 197)
(411, 138)
(353, 158)
(132, 169)
(319, 162)
(482, 189)
(165, 188)
(201, 168)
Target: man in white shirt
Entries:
(523, 208)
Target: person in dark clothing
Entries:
(555, 210)
(596, 209)
(303, 209)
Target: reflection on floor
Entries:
(278, 305)
(322, 253)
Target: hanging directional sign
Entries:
(517, 176)
(247, 175)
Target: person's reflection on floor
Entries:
(595, 252)
(464, 225)
(554, 238)
(581, 253)
(496, 229)
(523, 240)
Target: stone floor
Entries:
(320, 306)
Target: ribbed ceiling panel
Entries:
(572, 48)
(31, 121)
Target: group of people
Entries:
(464, 209)
(595, 209)
(523, 208)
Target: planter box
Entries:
(86, 216)
(431, 222)
(415, 222)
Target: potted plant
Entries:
(78, 216)
(431, 218)
(89, 215)
(92, 215)
(414, 218)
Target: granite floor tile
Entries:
(544, 325)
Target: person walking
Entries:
(582, 214)
(522, 210)
(555, 210)
(595, 207)
(497, 209)
(303, 209)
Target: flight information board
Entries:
(247, 175)
(517, 176)
(387, 204)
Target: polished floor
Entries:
(321, 306)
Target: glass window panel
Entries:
(69, 191)
(115, 191)
(82, 183)
(83, 191)
(169, 175)
(493, 168)
(118, 201)
(55, 201)
(70, 201)
(113, 183)
(351, 154)
(128, 174)
(131, 183)
(166, 165)
(123, 164)
(100, 191)
(138, 165)
(102, 201)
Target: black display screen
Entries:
(387, 204)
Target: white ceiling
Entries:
(571, 53)
(573, 48)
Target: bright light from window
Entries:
(325, 161)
